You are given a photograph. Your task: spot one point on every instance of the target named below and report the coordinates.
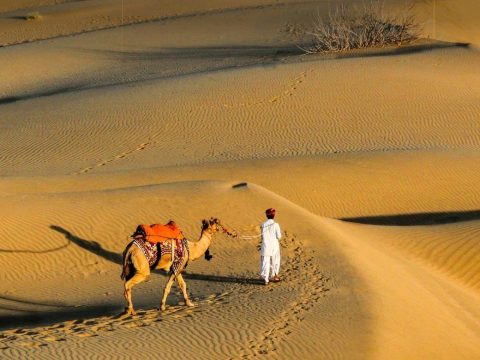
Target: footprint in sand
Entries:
(314, 285)
(30, 344)
(292, 87)
(123, 155)
(50, 338)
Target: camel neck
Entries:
(198, 248)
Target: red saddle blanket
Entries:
(156, 233)
(153, 253)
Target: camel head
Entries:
(212, 225)
(215, 225)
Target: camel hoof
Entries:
(189, 303)
(163, 308)
(129, 311)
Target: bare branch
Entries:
(346, 28)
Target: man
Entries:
(270, 249)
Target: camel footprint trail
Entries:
(291, 88)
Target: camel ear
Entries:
(204, 224)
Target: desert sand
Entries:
(115, 114)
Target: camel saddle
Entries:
(156, 233)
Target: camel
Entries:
(136, 268)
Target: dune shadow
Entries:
(94, 247)
(19, 300)
(30, 312)
(212, 59)
(50, 92)
(17, 17)
(39, 318)
(201, 52)
(206, 60)
(416, 219)
(398, 50)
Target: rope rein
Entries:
(245, 237)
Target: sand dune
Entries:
(371, 159)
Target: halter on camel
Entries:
(233, 233)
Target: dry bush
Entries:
(348, 28)
(33, 16)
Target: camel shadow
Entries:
(27, 251)
(89, 245)
(95, 248)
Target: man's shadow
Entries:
(95, 248)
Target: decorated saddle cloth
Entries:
(153, 253)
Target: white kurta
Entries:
(270, 250)
(270, 235)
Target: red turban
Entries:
(270, 212)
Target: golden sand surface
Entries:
(371, 159)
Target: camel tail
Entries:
(127, 266)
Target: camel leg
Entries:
(183, 286)
(168, 287)
(142, 273)
(136, 279)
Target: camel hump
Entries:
(155, 233)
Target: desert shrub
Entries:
(346, 28)
(33, 16)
